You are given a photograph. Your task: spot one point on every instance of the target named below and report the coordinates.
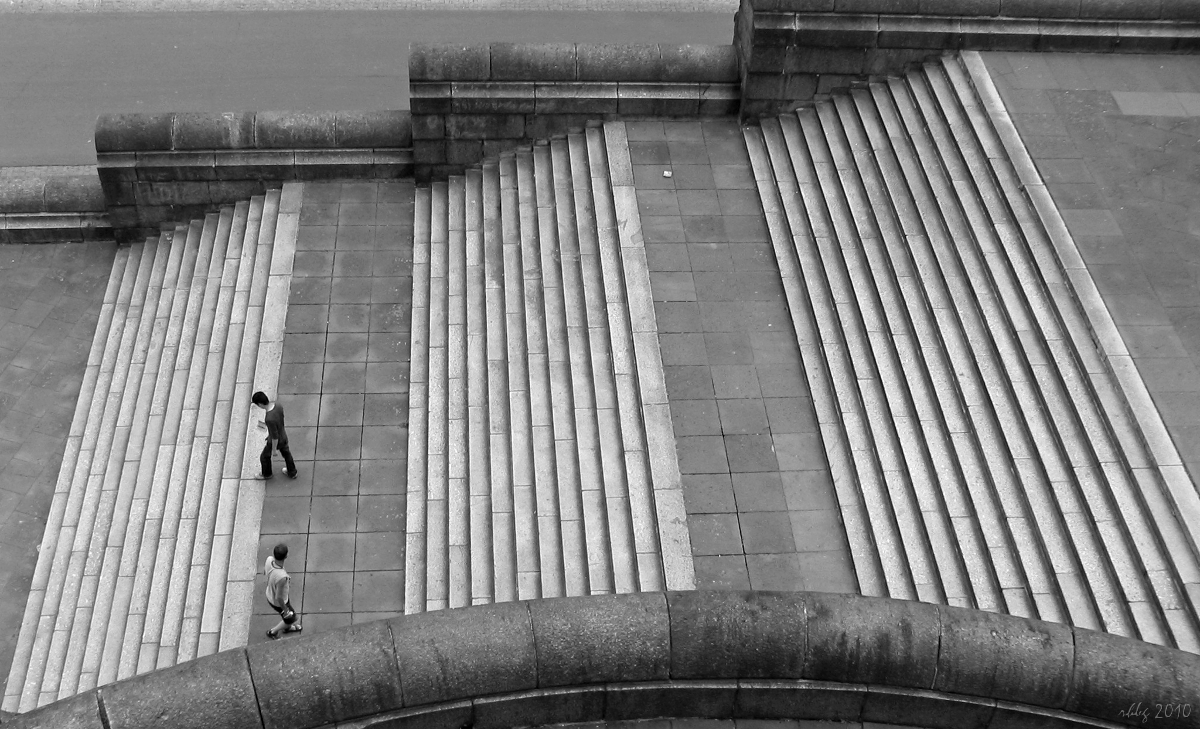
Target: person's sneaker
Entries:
(261, 477)
(293, 475)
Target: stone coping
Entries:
(572, 62)
(50, 190)
(700, 654)
(1172, 10)
(248, 130)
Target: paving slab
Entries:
(754, 473)
(346, 389)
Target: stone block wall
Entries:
(471, 101)
(44, 204)
(792, 50)
(160, 168)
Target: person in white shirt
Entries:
(278, 593)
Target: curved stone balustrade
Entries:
(698, 654)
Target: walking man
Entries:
(276, 436)
(278, 587)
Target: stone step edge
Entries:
(1108, 338)
(239, 589)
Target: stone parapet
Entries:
(792, 50)
(721, 655)
(160, 168)
(51, 204)
(469, 101)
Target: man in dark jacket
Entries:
(276, 436)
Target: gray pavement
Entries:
(50, 298)
(1116, 140)
(59, 71)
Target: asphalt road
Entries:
(58, 71)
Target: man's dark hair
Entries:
(280, 549)
(260, 398)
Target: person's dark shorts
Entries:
(287, 605)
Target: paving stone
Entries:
(387, 347)
(329, 553)
(799, 451)
(375, 551)
(302, 410)
(391, 290)
(378, 590)
(355, 238)
(716, 286)
(672, 286)
(694, 200)
(715, 534)
(343, 378)
(683, 349)
(649, 153)
(345, 347)
(668, 257)
(382, 477)
(645, 131)
(758, 491)
(701, 454)
(312, 263)
(775, 572)
(386, 409)
(650, 177)
(791, 414)
(695, 417)
(683, 131)
(331, 514)
(307, 318)
(742, 416)
(339, 443)
(692, 177)
(286, 515)
(704, 229)
(817, 531)
(728, 348)
(710, 256)
(717, 572)
(677, 316)
(751, 453)
(384, 442)
(335, 478)
(316, 237)
(829, 572)
(708, 493)
(662, 229)
(735, 381)
(766, 532)
(381, 513)
(753, 256)
(327, 592)
(657, 203)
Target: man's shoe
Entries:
(261, 477)
(293, 475)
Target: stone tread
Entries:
(835, 310)
(585, 428)
(142, 512)
(986, 542)
(1029, 500)
(984, 391)
(1126, 519)
(32, 622)
(1054, 425)
(414, 552)
(538, 408)
(458, 502)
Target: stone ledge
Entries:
(184, 131)
(842, 657)
(572, 62)
(54, 227)
(46, 190)
(1068, 9)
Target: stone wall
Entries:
(719, 655)
(478, 100)
(161, 168)
(51, 204)
(792, 50)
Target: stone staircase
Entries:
(983, 452)
(133, 570)
(541, 452)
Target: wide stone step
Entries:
(946, 351)
(145, 519)
(534, 422)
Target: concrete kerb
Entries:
(706, 654)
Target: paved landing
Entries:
(1117, 140)
(344, 387)
(761, 507)
(50, 298)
